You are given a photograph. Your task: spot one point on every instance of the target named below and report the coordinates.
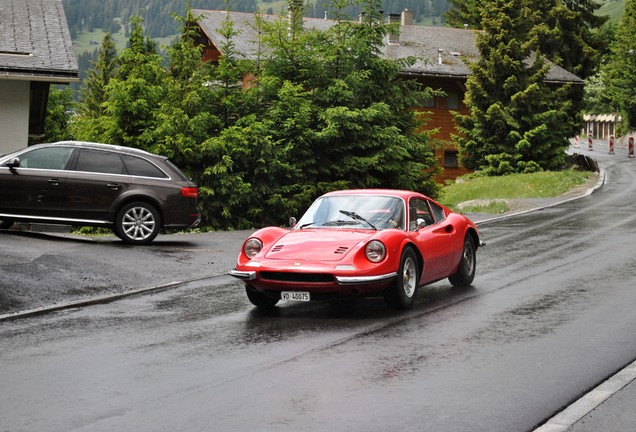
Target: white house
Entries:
(35, 51)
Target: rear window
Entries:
(177, 170)
(141, 167)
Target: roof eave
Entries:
(38, 75)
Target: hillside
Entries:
(612, 8)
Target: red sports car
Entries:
(368, 242)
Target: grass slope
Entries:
(515, 186)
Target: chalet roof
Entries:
(421, 42)
(35, 43)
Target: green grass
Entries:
(613, 8)
(515, 186)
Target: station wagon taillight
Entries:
(190, 192)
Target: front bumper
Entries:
(340, 280)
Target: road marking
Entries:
(579, 409)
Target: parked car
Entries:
(135, 193)
(369, 242)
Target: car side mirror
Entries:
(13, 163)
(292, 222)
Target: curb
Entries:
(106, 298)
(583, 406)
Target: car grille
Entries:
(296, 277)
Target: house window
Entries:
(428, 102)
(452, 101)
(450, 159)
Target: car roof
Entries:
(404, 194)
(99, 146)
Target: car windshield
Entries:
(355, 211)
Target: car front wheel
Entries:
(467, 265)
(401, 294)
(137, 223)
(5, 223)
(259, 299)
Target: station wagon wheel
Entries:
(259, 299)
(137, 223)
(401, 294)
(467, 265)
(5, 223)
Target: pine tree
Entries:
(516, 121)
(567, 34)
(135, 92)
(465, 12)
(88, 124)
(619, 73)
(566, 30)
(93, 94)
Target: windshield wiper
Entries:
(356, 216)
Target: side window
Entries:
(52, 158)
(418, 209)
(141, 167)
(438, 212)
(99, 162)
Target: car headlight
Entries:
(252, 247)
(376, 251)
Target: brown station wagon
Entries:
(135, 193)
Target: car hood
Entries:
(317, 244)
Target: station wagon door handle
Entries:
(114, 186)
(54, 182)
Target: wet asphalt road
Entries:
(550, 315)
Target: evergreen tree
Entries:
(356, 126)
(88, 124)
(465, 12)
(568, 36)
(619, 73)
(566, 29)
(248, 166)
(135, 92)
(93, 94)
(516, 122)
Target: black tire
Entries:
(260, 300)
(401, 294)
(5, 223)
(137, 223)
(467, 265)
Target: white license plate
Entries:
(295, 295)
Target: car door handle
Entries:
(113, 186)
(54, 182)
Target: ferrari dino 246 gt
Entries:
(353, 243)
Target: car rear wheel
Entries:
(401, 294)
(5, 223)
(137, 223)
(467, 265)
(259, 299)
